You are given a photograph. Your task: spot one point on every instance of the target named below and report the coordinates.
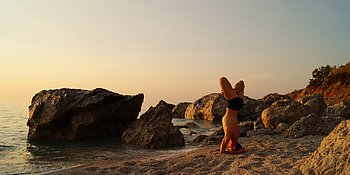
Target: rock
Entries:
(315, 102)
(281, 128)
(248, 112)
(244, 127)
(180, 109)
(312, 125)
(258, 124)
(268, 100)
(192, 133)
(154, 129)
(200, 138)
(283, 111)
(341, 109)
(70, 114)
(264, 131)
(189, 125)
(210, 107)
(211, 140)
(332, 157)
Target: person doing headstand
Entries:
(234, 97)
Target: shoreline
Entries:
(266, 155)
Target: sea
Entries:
(20, 156)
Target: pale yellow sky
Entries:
(170, 50)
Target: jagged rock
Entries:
(283, 111)
(244, 127)
(281, 128)
(180, 109)
(264, 131)
(332, 157)
(312, 125)
(341, 109)
(210, 107)
(70, 114)
(154, 129)
(315, 102)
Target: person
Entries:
(234, 97)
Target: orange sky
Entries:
(170, 50)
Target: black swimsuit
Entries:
(235, 103)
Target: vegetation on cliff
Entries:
(333, 83)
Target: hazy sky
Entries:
(171, 50)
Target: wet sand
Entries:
(266, 155)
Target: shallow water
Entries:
(18, 156)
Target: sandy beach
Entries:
(266, 155)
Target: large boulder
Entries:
(70, 114)
(315, 102)
(248, 112)
(210, 107)
(180, 109)
(283, 111)
(332, 157)
(154, 129)
(268, 100)
(312, 125)
(341, 109)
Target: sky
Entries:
(174, 50)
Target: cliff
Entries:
(335, 87)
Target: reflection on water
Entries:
(19, 156)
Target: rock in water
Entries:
(154, 129)
(332, 157)
(180, 109)
(70, 114)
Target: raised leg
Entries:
(226, 88)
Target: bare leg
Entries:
(226, 88)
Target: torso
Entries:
(229, 121)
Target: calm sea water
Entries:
(19, 156)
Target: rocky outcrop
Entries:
(284, 111)
(315, 102)
(70, 114)
(268, 100)
(154, 129)
(210, 107)
(180, 109)
(332, 93)
(312, 125)
(332, 157)
(341, 109)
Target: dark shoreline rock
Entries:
(72, 114)
(154, 129)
